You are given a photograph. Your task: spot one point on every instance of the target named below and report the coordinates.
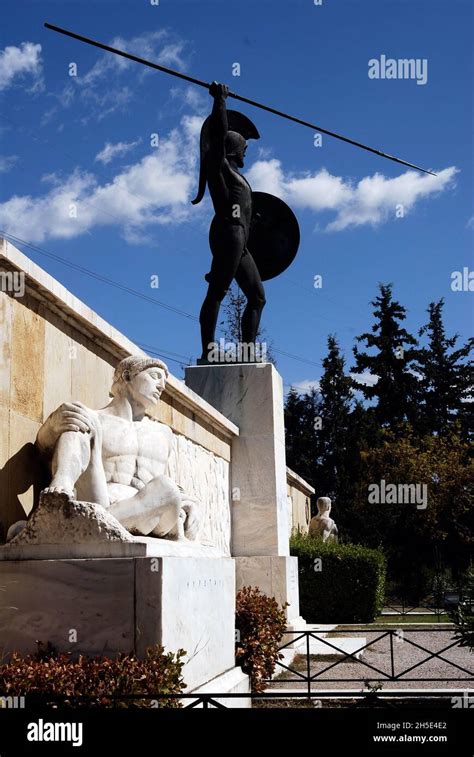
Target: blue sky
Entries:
(85, 140)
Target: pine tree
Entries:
(336, 400)
(395, 390)
(446, 379)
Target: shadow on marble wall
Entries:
(21, 472)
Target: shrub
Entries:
(348, 587)
(101, 678)
(261, 623)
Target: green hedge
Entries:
(348, 588)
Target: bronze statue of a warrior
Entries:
(238, 222)
(254, 236)
(232, 199)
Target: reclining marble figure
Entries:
(117, 457)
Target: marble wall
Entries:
(299, 502)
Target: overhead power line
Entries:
(129, 290)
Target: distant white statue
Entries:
(322, 526)
(117, 457)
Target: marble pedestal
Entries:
(108, 606)
(275, 576)
(251, 396)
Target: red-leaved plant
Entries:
(260, 622)
(97, 678)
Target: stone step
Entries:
(295, 629)
(345, 645)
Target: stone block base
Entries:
(276, 576)
(232, 682)
(108, 606)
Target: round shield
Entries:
(274, 235)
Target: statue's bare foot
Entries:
(65, 489)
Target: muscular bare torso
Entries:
(133, 452)
(230, 190)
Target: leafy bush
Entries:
(417, 543)
(100, 678)
(261, 622)
(347, 586)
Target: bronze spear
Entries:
(256, 104)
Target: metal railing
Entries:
(437, 603)
(309, 678)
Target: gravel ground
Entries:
(378, 655)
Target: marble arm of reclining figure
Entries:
(191, 507)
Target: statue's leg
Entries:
(227, 244)
(248, 279)
(70, 459)
(154, 509)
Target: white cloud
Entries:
(65, 99)
(267, 176)
(470, 223)
(20, 61)
(102, 103)
(110, 84)
(48, 115)
(155, 190)
(371, 201)
(264, 153)
(134, 236)
(143, 45)
(7, 162)
(304, 387)
(111, 151)
(171, 55)
(192, 126)
(191, 97)
(365, 378)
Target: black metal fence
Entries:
(392, 638)
(437, 603)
